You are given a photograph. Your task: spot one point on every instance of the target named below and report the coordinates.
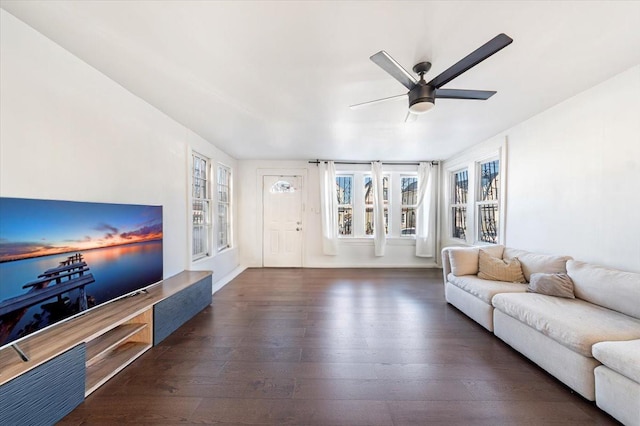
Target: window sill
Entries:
(368, 241)
(201, 259)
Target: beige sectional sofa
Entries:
(597, 330)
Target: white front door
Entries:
(282, 207)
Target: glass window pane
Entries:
(199, 177)
(385, 189)
(409, 188)
(223, 184)
(459, 222)
(223, 217)
(368, 221)
(344, 220)
(281, 187)
(200, 212)
(460, 187)
(200, 240)
(368, 189)
(489, 181)
(488, 223)
(408, 221)
(344, 189)
(386, 221)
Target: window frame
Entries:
(386, 202)
(393, 204)
(346, 205)
(403, 205)
(480, 203)
(453, 205)
(494, 150)
(205, 228)
(224, 225)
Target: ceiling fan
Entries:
(422, 95)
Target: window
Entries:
(476, 197)
(281, 187)
(344, 185)
(460, 189)
(487, 201)
(200, 207)
(409, 191)
(368, 204)
(224, 208)
(355, 203)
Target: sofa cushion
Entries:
(495, 269)
(559, 285)
(464, 260)
(574, 323)
(623, 357)
(606, 287)
(534, 262)
(484, 289)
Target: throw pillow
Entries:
(464, 260)
(558, 284)
(495, 269)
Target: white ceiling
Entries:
(273, 80)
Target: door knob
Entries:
(298, 229)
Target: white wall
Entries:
(70, 133)
(573, 179)
(359, 253)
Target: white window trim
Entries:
(452, 205)
(209, 250)
(471, 162)
(398, 193)
(350, 206)
(478, 203)
(229, 204)
(358, 236)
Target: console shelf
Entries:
(104, 369)
(117, 348)
(97, 348)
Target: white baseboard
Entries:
(217, 285)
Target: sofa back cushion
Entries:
(606, 287)
(534, 262)
(464, 260)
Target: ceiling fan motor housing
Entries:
(421, 93)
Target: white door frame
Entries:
(261, 173)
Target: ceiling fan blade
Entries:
(411, 117)
(494, 45)
(481, 95)
(378, 101)
(387, 63)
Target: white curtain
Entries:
(425, 211)
(328, 207)
(379, 234)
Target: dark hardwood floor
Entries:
(334, 347)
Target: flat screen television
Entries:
(59, 259)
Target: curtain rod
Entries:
(395, 163)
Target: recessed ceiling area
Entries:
(274, 80)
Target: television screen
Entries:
(61, 258)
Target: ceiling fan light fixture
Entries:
(421, 98)
(421, 106)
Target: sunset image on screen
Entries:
(31, 228)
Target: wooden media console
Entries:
(72, 359)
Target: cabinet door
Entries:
(171, 313)
(47, 393)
